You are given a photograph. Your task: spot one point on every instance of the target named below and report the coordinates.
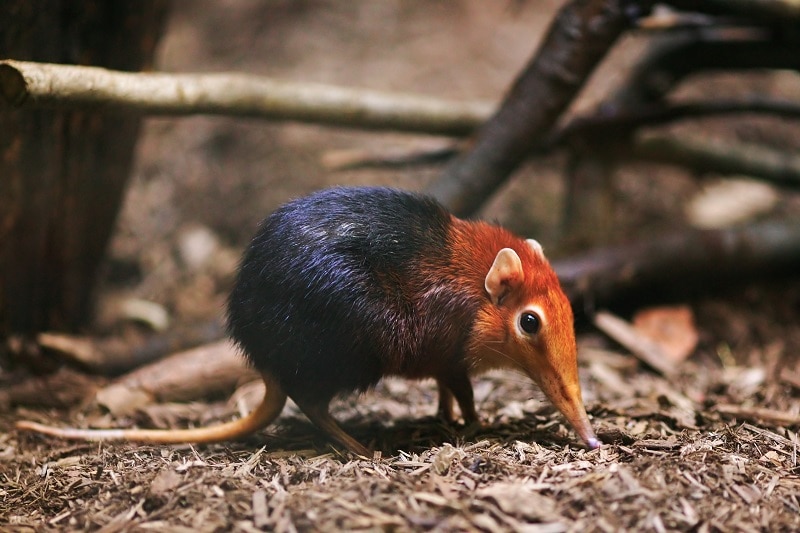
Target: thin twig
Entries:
(781, 11)
(642, 347)
(623, 122)
(395, 157)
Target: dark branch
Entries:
(622, 123)
(781, 168)
(577, 40)
(681, 260)
(673, 57)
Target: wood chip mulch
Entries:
(672, 461)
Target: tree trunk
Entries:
(63, 173)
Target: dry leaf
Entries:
(519, 500)
(672, 328)
(445, 457)
(165, 481)
(639, 345)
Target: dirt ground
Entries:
(673, 459)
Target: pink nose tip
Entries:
(593, 443)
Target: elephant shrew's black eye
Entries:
(530, 323)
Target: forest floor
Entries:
(674, 459)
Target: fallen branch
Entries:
(115, 355)
(34, 84)
(781, 168)
(26, 84)
(622, 122)
(585, 130)
(680, 261)
(213, 369)
(580, 36)
(538, 96)
(600, 141)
